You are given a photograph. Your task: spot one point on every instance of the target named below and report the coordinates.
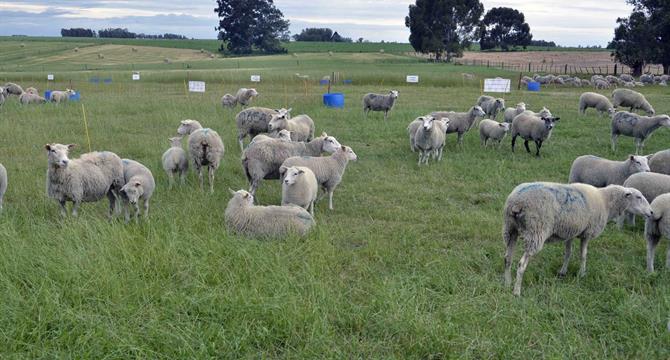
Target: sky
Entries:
(580, 22)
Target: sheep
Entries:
(262, 160)
(244, 96)
(13, 89)
(510, 113)
(228, 101)
(650, 184)
(612, 79)
(647, 79)
(328, 170)
(632, 99)
(526, 79)
(460, 123)
(626, 77)
(429, 138)
(411, 130)
(601, 84)
(2, 96)
(379, 102)
(283, 135)
(134, 49)
(243, 217)
(636, 126)
(139, 186)
(544, 212)
(491, 105)
(253, 121)
(299, 187)
(27, 98)
(205, 147)
(664, 78)
(656, 226)
(597, 101)
(61, 96)
(596, 77)
(531, 127)
(660, 162)
(585, 82)
(86, 179)
(543, 112)
(301, 126)
(629, 84)
(468, 76)
(599, 172)
(492, 130)
(76, 49)
(32, 90)
(174, 161)
(3, 184)
(100, 56)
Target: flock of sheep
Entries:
(598, 81)
(31, 95)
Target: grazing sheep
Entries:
(253, 121)
(429, 138)
(585, 82)
(629, 84)
(228, 101)
(283, 135)
(76, 49)
(3, 184)
(460, 122)
(174, 161)
(262, 160)
(647, 79)
(61, 96)
(650, 184)
(612, 79)
(510, 113)
(467, 76)
(2, 96)
(526, 79)
(379, 102)
(595, 78)
(531, 127)
(546, 212)
(205, 147)
(244, 96)
(656, 226)
(86, 179)
(491, 105)
(601, 84)
(32, 90)
(299, 187)
(492, 130)
(597, 101)
(599, 172)
(13, 89)
(636, 126)
(139, 186)
(328, 170)
(243, 217)
(134, 49)
(301, 126)
(632, 99)
(27, 98)
(660, 162)
(626, 77)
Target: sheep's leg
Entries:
(523, 263)
(75, 209)
(513, 142)
(440, 157)
(583, 251)
(63, 208)
(170, 179)
(330, 199)
(614, 140)
(136, 206)
(211, 179)
(365, 113)
(639, 144)
(126, 211)
(538, 146)
(311, 208)
(386, 114)
(460, 139)
(510, 237)
(667, 259)
(525, 144)
(566, 258)
(200, 178)
(652, 242)
(146, 208)
(240, 139)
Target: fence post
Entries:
(615, 69)
(529, 68)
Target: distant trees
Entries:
(77, 32)
(166, 36)
(248, 25)
(118, 33)
(320, 34)
(505, 28)
(542, 43)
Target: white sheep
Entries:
(3, 184)
(544, 212)
(228, 101)
(650, 184)
(601, 84)
(61, 96)
(13, 89)
(626, 77)
(647, 79)
(656, 226)
(511, 113)
(585, 82)
(301, 126)
(492, 130)
(491, 105)
(139, 186)
(429, 138)
(299, 187)
(660, 162)
(460, 122)
(27, 98)
(174, 161)
(599, 172)
(86, 179)
(205, 147)
(636, 126)
(244, 96)
(531, 127)
(254, 121)
(32, 90)
(597, 101)
(379, 102)
(633, 100)
(283, 135)
(243, 217)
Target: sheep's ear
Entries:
(556, 119)
(501, 125)
(47, 147)
(289, 110)
(344, 148)
(137, 184)
(231, 191)
(301, 171)
(282, 170)
(71, 146)
(246, 195)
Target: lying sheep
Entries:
(379, 102)
(3, 184)
(299, 187)
(228, 101)
(86, 179)
(253, 121)
(27, 98)
(636, 126)
(174, 161)
(262, 160)
(492, 130)
(599, 172)
(205, 147)
(139, 186)
(601, 84)
(328, 170)
(283, 135)
(243, 217)
(491, 105)
(543, 212)
(13, 89)
(656, 226)
(534, 128)
(596, 101)
(61, 96)
(460, 122)
(429, 138)
(660, 162)
(244, 96)
(650, 184)
(633, 100)
(301, 126)
(510, 113)
(32, 90)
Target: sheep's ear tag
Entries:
(324, 134)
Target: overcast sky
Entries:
(579, 22)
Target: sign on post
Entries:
(413, 79)
(497, 85)
(196, 86)
(136, 75)
(50, 77)
(255, 78)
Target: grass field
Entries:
(408, 265)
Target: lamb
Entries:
(27, 98)
(650, 184)
(299, 187)
(262, 160)
(601, 84)
(429, 138)
(460, 122)
(491, 105)
(205, 147)
(253, 121)
(599, 172)
(597, 101)
(3, 184)
(492, 130)
(283, 135)
(174, 161)
(510, 113)
(328, 170)
(86, 179)
(228, 101)
(139, 186)
(379, 102)
(301, 126)
(656, 226)
(632, 99)
(660, 162)
(636, 126)
(244, 96)
(243, 217)
(534, 128)
(32, 90)
(13, 89)
(61, 96)
(545, 212)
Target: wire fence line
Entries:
(530, 67)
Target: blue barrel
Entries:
(47, 94)
(533, 86)
(75, 97)
(324, 82)
(335, 100)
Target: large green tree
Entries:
(634, 43)
(658, 15)
(248, 25)
(443, 28)
(505, 28)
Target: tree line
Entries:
(118, 33)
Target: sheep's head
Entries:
(664, 120)
(521, 107)
(252, 92)
(279, 120)
(651, 111)
(636, 203)
(175, 141)
(132, 191)
(330, 143)
(186, 127)
(427, 122)
(445, 123)
(57, 154)
(478, 111)
(394, 94)
(500, 103)
(611, 111)
(349, 152)
(70, 91)
(243, 196)
(550, 122)
(291, 174)
(638, 164)
(284, 135)
(505, 126)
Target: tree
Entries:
(504, 27)
(657, 13)
(245, 25)
(634, 42)
(443, 27)
(314, 34)
(77, 32)
(116, 33)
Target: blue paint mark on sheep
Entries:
(563, 195)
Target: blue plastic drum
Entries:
(335, 100)
(533, 86)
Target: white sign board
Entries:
(136, 76)
(196, 86)
(50, 76)
(497, 85)
(255, 78)
(413, 79)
